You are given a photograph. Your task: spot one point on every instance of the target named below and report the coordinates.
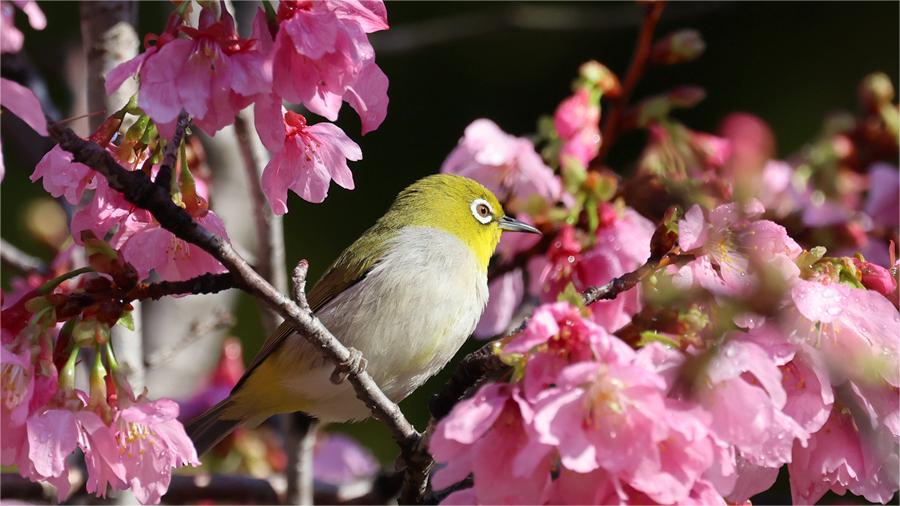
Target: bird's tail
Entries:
(209, 428)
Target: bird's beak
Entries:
(513, 225)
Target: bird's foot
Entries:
(355, 364)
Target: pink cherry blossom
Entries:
(17, 386)
(488, 436)
(306, 158)
(883, 201)
(11, 38)
(622, 244)
(841, 457)
(744, 393)
(54, 434)
(577, 121)
(212, 74)
(505, 294)
(155, 248)
(106, 211)
(751, 140)
(340, 460)
(606, 416)
(507, 165)
(62, 176)
(322, 56)
(727, 244)
(22, 102)
(856, 329)
(151, 442)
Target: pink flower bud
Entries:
(877, 278)
(678, 47)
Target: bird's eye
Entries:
(482, 211)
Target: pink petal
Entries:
(52, 436)
(162, 78)
(21, 101)
(692, 229)
(506, 292)
(368, 96)
(125, 70)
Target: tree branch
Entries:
(633, 75)
(269, 233)
(206, 283)
(19, 260)
(140, 191)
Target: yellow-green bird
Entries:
(406, 294)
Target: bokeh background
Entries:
(449, 63)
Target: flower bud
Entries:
(877, 278)
(876, 90)
(678, 47)
(685, 97)
(596, 74)
(90, 333)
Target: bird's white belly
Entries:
(408, 317)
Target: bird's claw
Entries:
(355, 364)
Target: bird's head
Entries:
(459, 206)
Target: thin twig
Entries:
(19, 260)
(137, 188)
(170, 155)
(199, 329)
(633, 75)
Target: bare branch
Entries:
(19, 260)
(206, 283)
(219, 319)
(140, 191)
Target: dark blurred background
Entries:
(452, 62)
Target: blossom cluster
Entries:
(680, 411)
(746, 349)
(128, 440)
(311, 54)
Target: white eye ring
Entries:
(482, 211)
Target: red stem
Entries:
(635, 71)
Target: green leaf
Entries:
(127, 320)
(651, 336)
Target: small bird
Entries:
(406, 294)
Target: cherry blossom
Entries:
(212, 74)
(507, 165)
(322, 56)
(151, 443)
(729, 242)
(11, 39)
(488, 436)
(306, 158)
(577, 122)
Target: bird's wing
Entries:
(350, 268)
